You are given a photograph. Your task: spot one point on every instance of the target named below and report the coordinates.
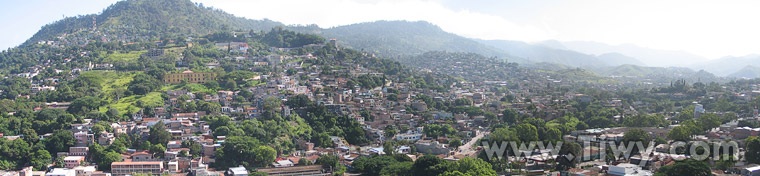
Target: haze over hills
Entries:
(748, 71)
(650, 57)
(728, 66)
(556, 54)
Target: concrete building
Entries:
(61, 172)
(237, 171)
(73, 161)
(127, 168)
(78, 151)
(189, 76)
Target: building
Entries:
(106, 138)
(295, 170)
(85, 170)
(431, 147)
(73, 161)
(237, 171)
(61, 172)
(698, 110)
(189, 76)
(78, 151)
(127, 168)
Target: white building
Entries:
(237, 171)
(61, 172)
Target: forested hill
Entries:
(150, 20)
(131, 20)
(394, 38)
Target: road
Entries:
(467, 150)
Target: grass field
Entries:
(192, 87)
(112, 79)
(128, 104)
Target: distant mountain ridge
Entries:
(727, 66)
(748, 71)
(648, 56)
(554, 53)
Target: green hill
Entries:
(147, 19)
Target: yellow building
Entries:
(190, 76)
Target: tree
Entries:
(158, 150)
(455, 143)
(509, 116)
(85, 104)
(398, 169)
(272, 104)
(568, 155)
(304, 162)
(182, 153)
(158, 134)
(329, 161)
(40, 159)
(679, 133)
(373, 165)
(60, 141)
(298, 101)
(244, 150)
(424, 165)
(636, 135)
(143, 84)
(222, 131)
(685, 167)
(469, 166)
(59, 162)
(97, 129)
(195, 149)
(105, 161)
(725, 162)
(527, 132)
(552, 134)
(752, 145)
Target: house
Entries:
(174, 144)
(85, 170)
(106, 138)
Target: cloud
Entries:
(330, 13)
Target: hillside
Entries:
(142, 20)
(650, 57)
(659, 74)
(134, 20)
(537, 53)
(394, 38)
(618, 59)
(748, 71)
(729, 65)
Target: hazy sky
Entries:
(709, 28)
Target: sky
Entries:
(711, 29)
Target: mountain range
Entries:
(146, 20)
